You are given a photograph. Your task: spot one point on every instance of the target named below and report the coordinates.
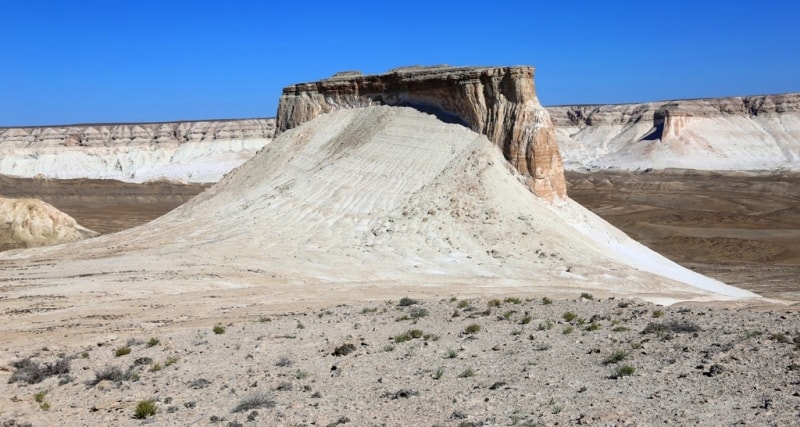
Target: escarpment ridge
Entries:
(201, 151)
(735, 133)
(499, 102)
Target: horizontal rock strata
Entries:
(499, 102)
(201, 151)
(752, 133)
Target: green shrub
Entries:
(38, 397)
(623, 371)
(494, 302)
(593, 327)
(472, 328)
(218, 329)
(153, 342)
(569, 316)
(546, 301)
(254, 401)
(586, 295)
(658, 313)
(525, 320)
(469, 372)
(344, 349)
(405, 302)
(463, 303)
(512, 300)
(615, 357)
(122, 351)
(145, 408)
(568, 330)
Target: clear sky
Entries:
(79, 61)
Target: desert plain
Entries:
(376, 266)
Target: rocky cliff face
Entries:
(499, 102)
(200, 151)
(738, 133)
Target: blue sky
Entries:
(106, 61)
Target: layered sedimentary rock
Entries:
(27, 223)
(201, 151)
(499, 102)
(737, 133)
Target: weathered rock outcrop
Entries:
(27, 223)
(737, 133)
(201, 151)
(499, 102)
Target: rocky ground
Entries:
(448, 362)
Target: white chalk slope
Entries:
(196, 152)
(625, 137)
(380, 197)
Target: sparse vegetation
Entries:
(283, 362)
(264, 319)
(568, 330)
(452, 353)
(467, 373)
(254, 401)
(512, 300)
(546, 301)
(658, 313)
(218, 329)
(672, 326)
(417, 312)
(438, 374)
(344, 349)
(111, 373)
(472, 328)
(145, 408)
(622, 371)
(122, 351)
(30, 372)
(586, 295)
(594, 326)
(171, 361)
(494, 302)
(463, 304)
(569, 316)
(406, 301)
(153, 342)
(615, 357)
(38, 397)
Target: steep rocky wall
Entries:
(499, 102)
(199, 151)
(754, 132)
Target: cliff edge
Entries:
(198, 152)
(499, 102)
(735, 133)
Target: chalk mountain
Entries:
(372, 202)
(737, 133)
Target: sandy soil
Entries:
(443, 361)
(741, 228)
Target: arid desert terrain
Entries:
(375, 264)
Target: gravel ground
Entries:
(447, 362)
